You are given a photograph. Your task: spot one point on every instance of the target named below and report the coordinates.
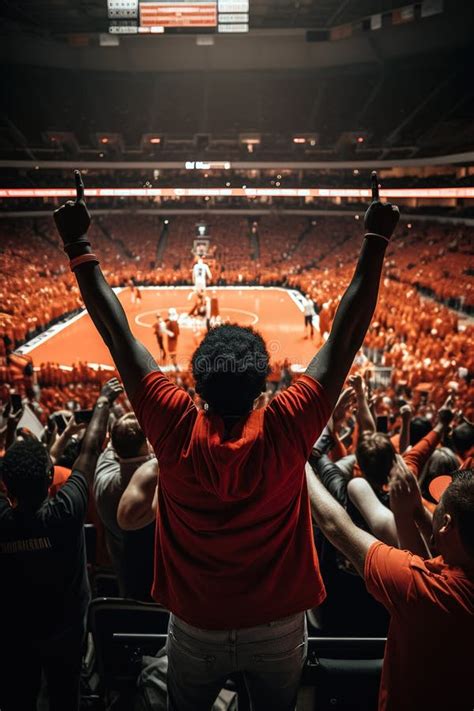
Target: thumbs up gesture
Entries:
(73, 219)
(381, 218)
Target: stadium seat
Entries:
(342, 672)
(123, 631)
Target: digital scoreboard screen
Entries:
(178, 14)
(160, 16)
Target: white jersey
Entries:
(309, 308)
(201, 273)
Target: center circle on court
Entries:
(148, 318)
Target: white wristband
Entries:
(375, 234)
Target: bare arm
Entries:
(132, 359)
(59, 445)
(97, 430)
(377, 516)
(405, 413)
(406, 505)
(331, 365)
(364, 416)
(138, 505)
(336, 524)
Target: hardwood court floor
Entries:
(272, 311)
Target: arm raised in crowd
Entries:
(97, 429)
(364, 416)
(378, 517)
(132, 359)
(59, 445)
(407, 507)
(336, 524)
(418, 455)
(139, 502)
(406, 413)
(332, 363)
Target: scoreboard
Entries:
(178, 14)
(160, 16)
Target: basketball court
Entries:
(276, 313)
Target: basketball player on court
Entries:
(135, 294)
(212, 310)
(172, 331)
(159, 329)
(309, 314)
(199, 306)
(201, 274)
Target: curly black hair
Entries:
(26, 471)
(230, 368)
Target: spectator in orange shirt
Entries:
(428, 656)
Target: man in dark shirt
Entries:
(44, 591)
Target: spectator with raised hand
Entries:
(328, 441)
(127, 450)
(365, 420)
(44, 592)
(232, 478)
(376, 453)
(12, 420)
(406, 413)
(431, 602)
(72, 429)
(407, 507)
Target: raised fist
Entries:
(446, 412)
(73, 219)
(380, 218)
(111, 390)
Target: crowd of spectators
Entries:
(428, 346)
(382, 451)
(354, 459)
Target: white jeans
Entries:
(270, 657)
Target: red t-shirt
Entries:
(429, 654)
(234, 542)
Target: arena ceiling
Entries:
(66, 17)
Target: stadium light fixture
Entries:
(243, 192)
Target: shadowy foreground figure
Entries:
(428, 657)
(44, 591)
(235, 561)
